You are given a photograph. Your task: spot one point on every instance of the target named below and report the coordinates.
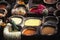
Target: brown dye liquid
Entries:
(2, 6)
(50, 1)
(48, 30)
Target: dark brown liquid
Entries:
(50, 1)
(51, 19)
(57, 13)
(2, 6)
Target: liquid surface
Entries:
(29, 32)
(2, 6)
(17, 20)
(20, 2)
(50, 1)
(48, 31)
(33, 22)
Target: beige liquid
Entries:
(33, 22)
(17, 20)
